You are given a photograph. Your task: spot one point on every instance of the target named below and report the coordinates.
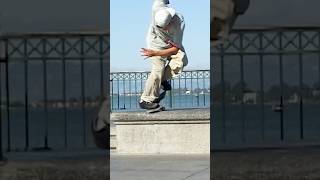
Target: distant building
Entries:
(294, 98)
(316, 92)
(250, 97)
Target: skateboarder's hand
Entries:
(147, 52)
(164, 53)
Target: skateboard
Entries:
(158, 109)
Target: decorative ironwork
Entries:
(62, 56)
(272, 41)
(55, 46)
(190, 89)
(264, 81)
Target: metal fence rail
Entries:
(266, 87)
(51, 85)
(190, 89)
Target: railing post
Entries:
(45, 92)
(64, 91)
(281, 85)
(223, 98)
(171, 99)
(83, 93)
(301, 87)
(7, 95)
(2, 59)
(26, 92)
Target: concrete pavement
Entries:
(94, 165)
(159, 167)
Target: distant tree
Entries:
(274, 93)
(237, 90)
(217, 91)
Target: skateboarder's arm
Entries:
(166, 52)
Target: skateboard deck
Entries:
(158, 109)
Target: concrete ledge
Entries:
(184, 131)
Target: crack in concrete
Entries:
(195, 173)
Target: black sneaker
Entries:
(148, 105)
(161, 96)
(166, 85)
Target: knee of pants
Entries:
(157, 75)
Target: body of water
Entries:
(250, 127)
(57, 129)
(120, 102)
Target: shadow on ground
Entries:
(277, 164)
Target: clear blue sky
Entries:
(129, 22)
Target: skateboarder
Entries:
(165, 50)
(221, 24)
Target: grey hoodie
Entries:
(159, 39)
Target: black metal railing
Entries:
(266, 87)
(51, 85)
(190, 89)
